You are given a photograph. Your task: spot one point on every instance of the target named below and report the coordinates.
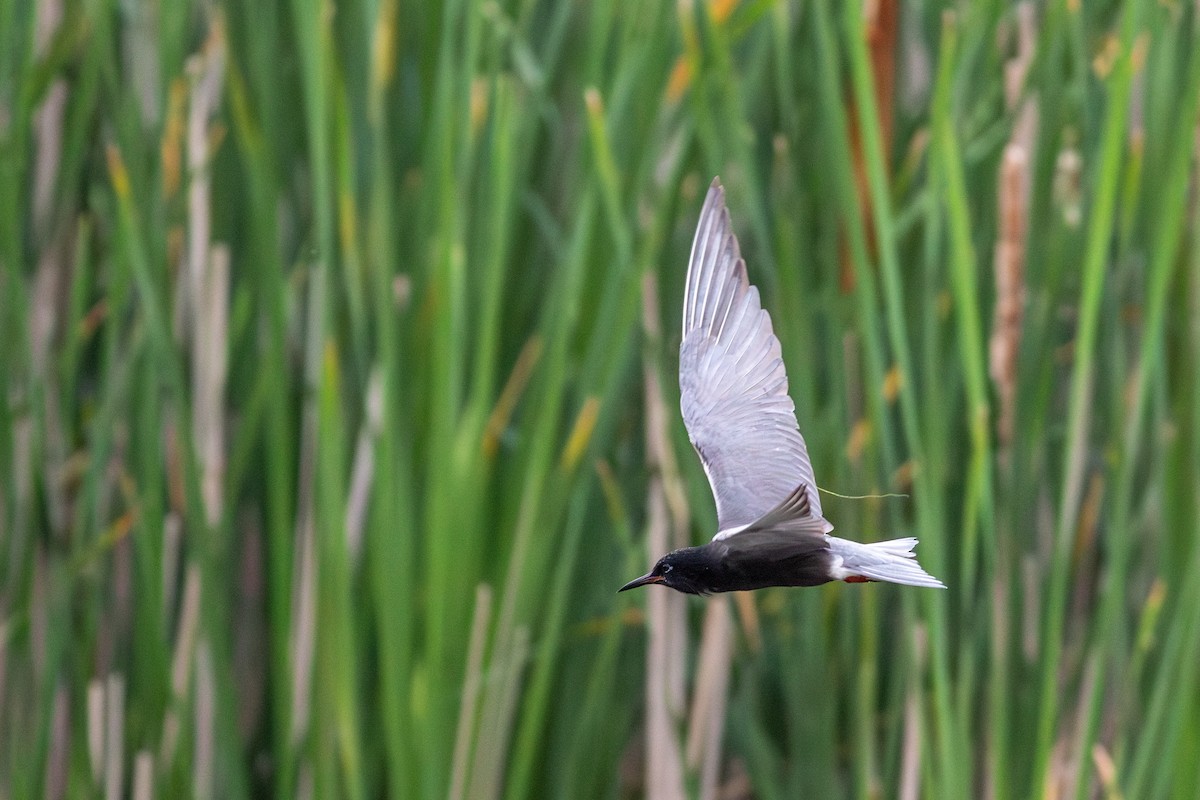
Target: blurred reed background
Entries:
(337, 397)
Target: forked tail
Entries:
(892, 561)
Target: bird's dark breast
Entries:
(769, 558)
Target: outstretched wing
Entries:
(734, 393)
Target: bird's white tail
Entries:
(892, 561)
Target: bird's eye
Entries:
(666, 568)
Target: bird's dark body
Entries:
(746, 561)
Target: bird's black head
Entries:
(690, 570)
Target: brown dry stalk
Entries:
(910, 754)
(95, 728)
(882, 19)
(47, 119)
(706, 722)
(181, 662)
(204, 746)
(1011, 243)
(1010, 287)
(207, 281)
(362, 475)
(472, 681)
(667, 631)
(666, 611)
(495, 723)
(60, 743)
(304, 602)
(143, 776)
(114, 736)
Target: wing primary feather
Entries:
(703, 274)
(732, 284)
(701, 260)
(713, 253)
(745, 309)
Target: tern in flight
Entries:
(735, 403)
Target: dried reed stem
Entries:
(143, 776)
(205, 720)
(60, 744)
(465, 730)
(1011, 241)
(910, 754)
(487, 771)
(666, 611)
(114, 736)
(181, 661)
(706, 723)
(363, 473)
(95, 728)
(207, 277)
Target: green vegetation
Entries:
(337, 397)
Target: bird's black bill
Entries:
(642, 581)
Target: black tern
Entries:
(740, 419)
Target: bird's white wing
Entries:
(733, 386)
